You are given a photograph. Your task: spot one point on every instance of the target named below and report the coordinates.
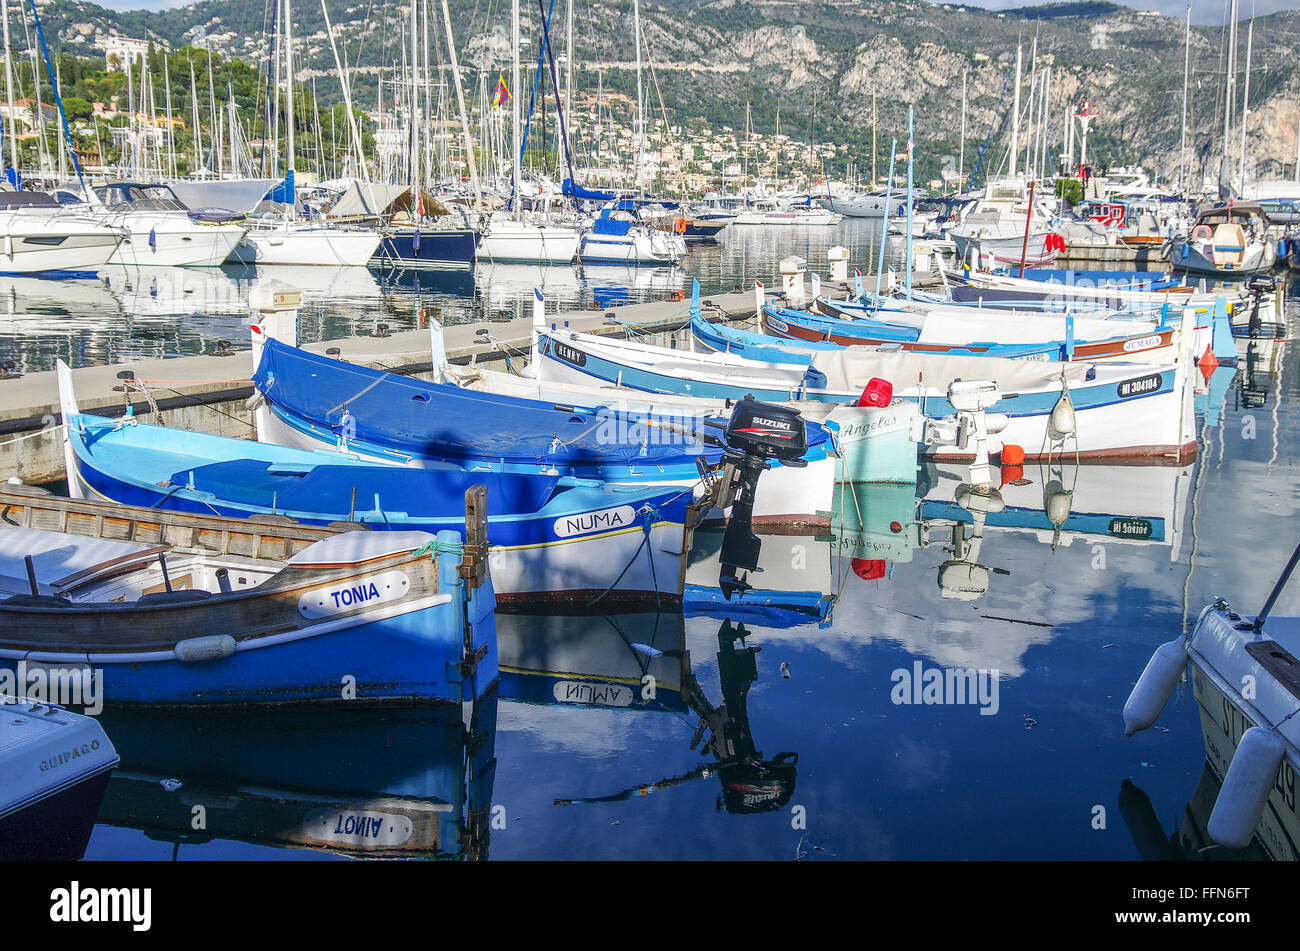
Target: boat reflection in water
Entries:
(1191, 842)
(750, 782)
(792, 585)
(632, 661)
(407, 783)
(893, 544)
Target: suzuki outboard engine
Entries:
(757, 434)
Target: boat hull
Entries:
(175, 241)
(1221, 658)
(528, 244)
(435, 247)
(333, 247)
(54, 245)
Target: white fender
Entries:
(1156, 685)
(1246, 788)
(1062, 421)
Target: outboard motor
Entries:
(757, 434)
(1258, 285)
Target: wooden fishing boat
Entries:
(555, 538)
(1114, 410)
(1042, 337)
(358, 617)
(485, 421)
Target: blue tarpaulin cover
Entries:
(449, 422)
(574, 190)
(283, 192)
(611, 226)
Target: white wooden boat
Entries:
(1114, 410)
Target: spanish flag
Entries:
(503, 93)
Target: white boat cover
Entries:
(942, 327)
(352, 548)
(850, 370)
(62, 560)
(240, 196)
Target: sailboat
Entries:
(509, 236)
(290, 240)
(432, 237)
(618, 236)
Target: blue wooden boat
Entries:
(311, 401)
(978, 334)
(791, 349)
(358, 618)
(554, 538)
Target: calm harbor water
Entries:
(1067, 622)
(135, 313)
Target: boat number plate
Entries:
(570, 355)
(780, 326)
(1139, 387)
(353, 594)
(1129, 528)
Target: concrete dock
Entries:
(207, 393)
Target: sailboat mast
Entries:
(1245, 98)
(347, 97)
(568, 74)
(640, 121)
(413, 104)
(1187, 71)
(460, 103)
(9, 87)
(1015, 116)
(961, 155)
(171, 128)
(288, 87)
(1231, 95)
(516, 155)
(194, 107)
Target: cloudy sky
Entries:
(1203, 11)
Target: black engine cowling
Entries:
(757, 434)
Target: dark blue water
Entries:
(819, 764)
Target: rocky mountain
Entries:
(819, 63)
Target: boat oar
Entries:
(1277, 589)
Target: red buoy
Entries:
(1208, 362)
(869, 569)
(1012, 455)
(877, 392)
